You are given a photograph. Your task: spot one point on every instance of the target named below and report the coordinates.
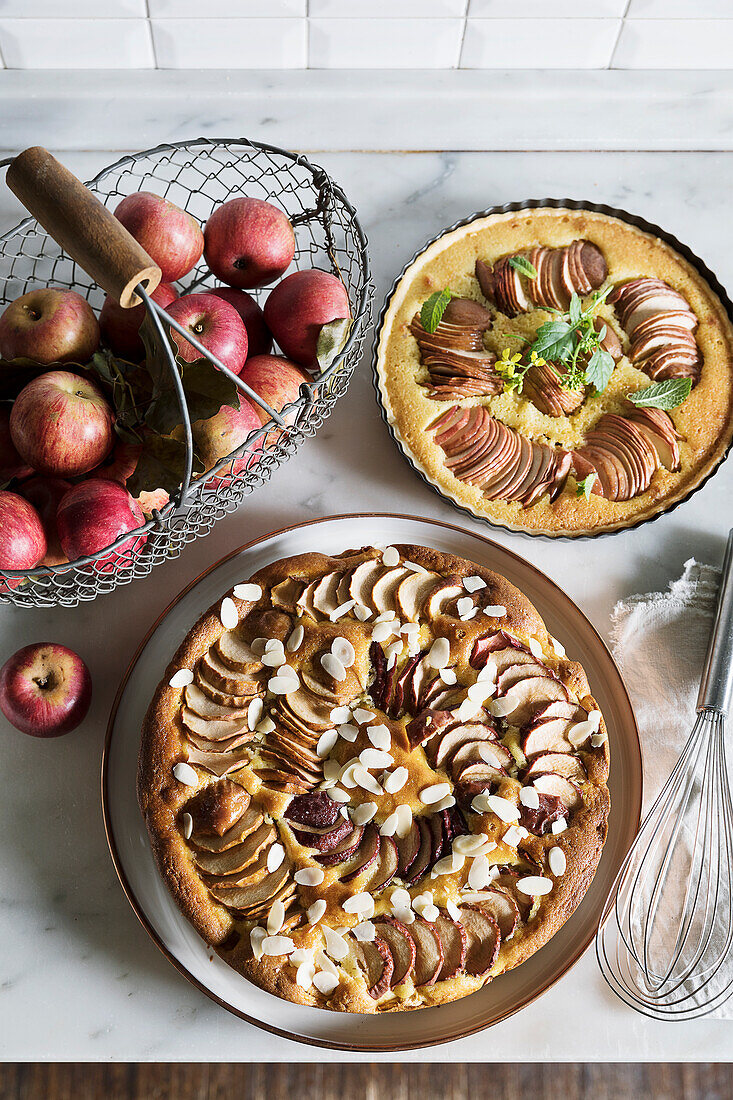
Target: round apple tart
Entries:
(557, 371)
(373, 782)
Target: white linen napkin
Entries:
(659, 641)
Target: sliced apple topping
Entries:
(385, 867)
(481, 450)
(401, 947)
(657, 426)
(543, 386)
(501, 905)
(454, 355)
(484, 940)
(428, 952)
(577, 268)
(565, 764)
(375, 961)
(560, 787)
(660, 325)
(454, 942)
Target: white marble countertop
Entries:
(80, 979)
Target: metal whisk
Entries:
(665, 944)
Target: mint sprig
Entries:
(662, 395)
(433, 309)
(523, 266)
(572, 341)
(584, 488)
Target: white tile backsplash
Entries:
(675, 44)
(385, 43)
(72, 9)
(387, 9)
(547, 9)
(680, 9)
(230, 43)
(218, 9)
(539, 43)
(76, 44)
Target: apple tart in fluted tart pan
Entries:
(374, 782)
(558, 371)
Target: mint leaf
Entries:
(554, 340)
(523, 266)
(433, 309)
(662, 395)
(585, 487)
(599, 370)
(574, 311)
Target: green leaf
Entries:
(662, 395)
(554, 340)
(161, 465)
(599, 370)
(523, 266)
(17, 373)
(433, 309)
(585, 487)
(574, 311)
(332, 341)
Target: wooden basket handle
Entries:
(85, 229)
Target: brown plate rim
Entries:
(553, 204)
(138, 908)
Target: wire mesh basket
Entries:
(198, 175)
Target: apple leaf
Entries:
(332, 341)
(206, 389)
(161, 465)
(129, 388)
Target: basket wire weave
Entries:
(198, 175)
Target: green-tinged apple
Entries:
(120, 327)
(259, 337)
(215, 324)
(248, 243)
(92, 515)
(170, 236)
(45, 689)
(221, 434)
(61, 424)
(45, 494)
(49, 325)
(297, 309)
(277, 381)
(22, 538)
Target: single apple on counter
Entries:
(169, 235)
(61, 424)
(92, 515)
(248, 243)
(22, 538)
(221, 434)
(11, 464)
(297, 309)
(215, 324)
(45, 689)
(120, 327)
(45, 494)
(259, 337)
(49, 325)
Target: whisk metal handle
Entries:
(716, 686)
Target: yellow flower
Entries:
(506, 365)
(536, 359)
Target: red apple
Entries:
(11, 464)
(169, 235)
(259, 337)
(61, 424)
(49, 325)
(22, 538)
(298, 308)
(121, 462)
(45, 494)
(215, 324)
(92, 515)
(120, 327)
(221, 434)
(248, 243)
(45, 689)
(277, 381)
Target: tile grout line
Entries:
(463, 34)
(622, 24)
(151, 36)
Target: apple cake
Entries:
(557, 371)
(373, 782)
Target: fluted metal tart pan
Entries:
(566, 204)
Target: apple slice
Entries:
(560, 763)
(218, 763)
(314, 810)
(213, 729)
(246, 897)
(503, 908)
(222, 699)
(428, 952)
(423, 860)
(408, 848)
(485, 775)
(222, 745)
(454, 823)
(385, 868)
(441, 596)
(484, 940)
(484, 751)
(519, 670)
(226, 679)
(384, 589)
(324, 839)
(377, 963)
(491, 643)
(250, 820)
(539, 819)
(200, 704)
(412, 592)
(442, 746)
(325, 594)
(560, 787)
(278, 780)
(379, 686)
(304, 602)
(261, 910)
(366, 854)
(426, 724)
(547, 735)
(255, 871)
(344, 850)
(401, 947)
(401, 684)
(454, 942)
(529, 695)
(363, 579)
(234, 653)
(237, 857)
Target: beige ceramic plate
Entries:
(173, 934)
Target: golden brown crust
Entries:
(705, 419)
(164, 800)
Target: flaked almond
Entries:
(248, 591)
(505, 810)
(439, 654)
(396, 780)
(348, 731)
(256, 937)
(316, 911)
(367, 781)
(379, 736)
(343, 651)
(187, 822)
(529, 797)
(181, 679)
(391, 556)
(360, 904)
(254, 713)
(325, 983)
(333, 666)
(494, 611)
(277, 945)
(275, 856)
(295, 640)
(499, 708)
(404, 820)
(185, 774)
(340, 714)
(309, 876)
(535, 649)
(383, 631)
(557, 862)
(448, 865)
(559, 826)
(364, 932)
(228, 613)
(341, 610)
(336, 945)
(282, 685)
(534, 885)
(275, 918)
(326, 742)
(473, 584)
(375, 758)
(389, 825)
(337, 795)
(362, 715)
(360, 815)
(434, 793)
